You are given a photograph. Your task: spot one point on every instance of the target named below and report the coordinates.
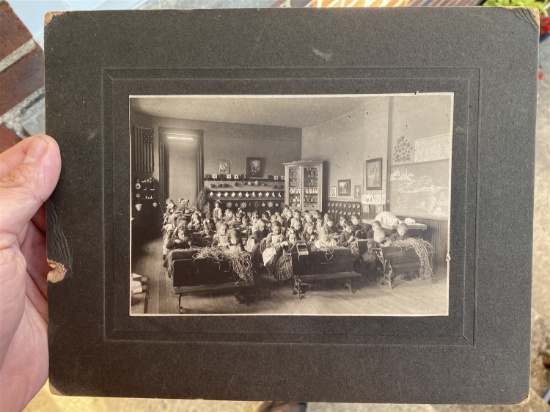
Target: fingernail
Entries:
(36, 149)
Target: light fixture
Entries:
(179, 137)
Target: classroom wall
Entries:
(418, 117)
(346, 143)
(181, 164)
(235, 142)
(413, 118)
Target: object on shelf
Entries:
(304, 187)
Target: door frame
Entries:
(199, 134)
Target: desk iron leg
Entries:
(349, 285)
(390, 275)
(297, 288)
(180, 309)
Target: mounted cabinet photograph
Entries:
(249, 243)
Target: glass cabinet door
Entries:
(294, 187)
(311, 187)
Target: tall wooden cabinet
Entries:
(304, 185)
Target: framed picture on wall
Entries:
(374, 174)
(223, 166)
(254, 167)
(344, 187)
(357, 192)
(333, 191)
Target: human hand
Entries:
(28, 174)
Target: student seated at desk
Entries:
(291, 242)
(229, 217)
(195, 225)
(235, 244)
(309, 235)
(245, 228)
(325, 241)
(328, 227)
(217, 213)
(401, 234)
(170, 208)
(274, 247)
(208, 228)
(369, 257)
(276, 237)
(182, 239)
(357, 229)
(261, 231)
(346, 237)
(340, 225)
(297, 229)
(220, 238)
(374, 225)
(308, 218)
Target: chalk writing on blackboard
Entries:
(421, 190)
(432, 148)
(401, 174)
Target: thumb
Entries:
(28, 174)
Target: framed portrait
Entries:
(223, 167)
(203, 324)
(344, 187)
(357, 192)
(254, 167)
(374, 174)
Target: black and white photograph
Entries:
(254, 167)
(374, 174)
(223, 167)
(290, 231)
(344, 187)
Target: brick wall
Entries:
(21, 80)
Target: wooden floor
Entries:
(407, 298)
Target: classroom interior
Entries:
(187, 141)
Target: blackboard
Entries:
(420, 190)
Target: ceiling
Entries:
(287, 111)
